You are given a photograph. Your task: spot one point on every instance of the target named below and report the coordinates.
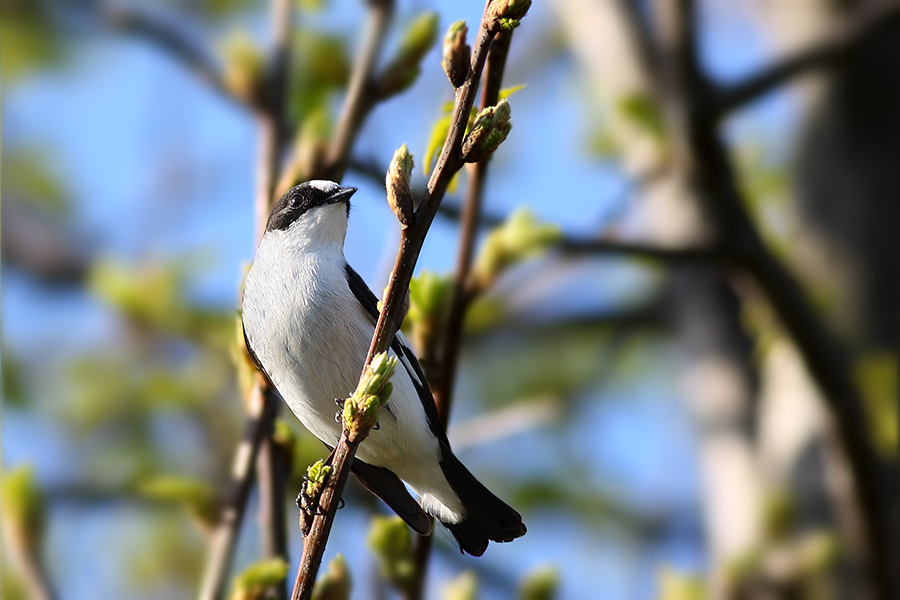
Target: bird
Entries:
(308, 319)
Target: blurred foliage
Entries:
(674, 585)
(154, 296)
(245, 65)
(28, 38)
(257, 582)
(28, 175)
(519, 238)
(321, 66)
(196, 496)
(429, 297)
(464, 587)
(22, 507)
(403, 69)
(335, 583)
(540, 584)
(876, 375)
(643, 112)
(13, 382)
(390, 540)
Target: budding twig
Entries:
(411, 242)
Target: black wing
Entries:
(407, 357)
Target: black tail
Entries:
(488, 517)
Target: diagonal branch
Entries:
(710, 173)
(390, 317)
(861, 31)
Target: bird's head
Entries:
(312, 213)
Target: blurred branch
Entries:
(857, 33)
(166, 35)
(257, 428)
(38, 244)
(263, 404)
(709, 171)
(603, 247)
(271, 472)
(360, 95)
(411, 241)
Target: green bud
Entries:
(361, 408)
(457, 54)
(403, 69)
(315, 477)
(506, 14)
(257, 580)
(490, 128)
(399, 194)
(335, 583)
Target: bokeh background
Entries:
(647, 413)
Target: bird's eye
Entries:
(294, 201)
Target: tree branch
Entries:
(710, 173)
(390, 317)
(860, 31)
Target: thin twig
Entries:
(389, 319)
(711, 174)
(859, 32)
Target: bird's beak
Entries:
(342, 194)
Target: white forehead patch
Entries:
(323, 185)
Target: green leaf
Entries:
(507, 92)
(436, 140)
